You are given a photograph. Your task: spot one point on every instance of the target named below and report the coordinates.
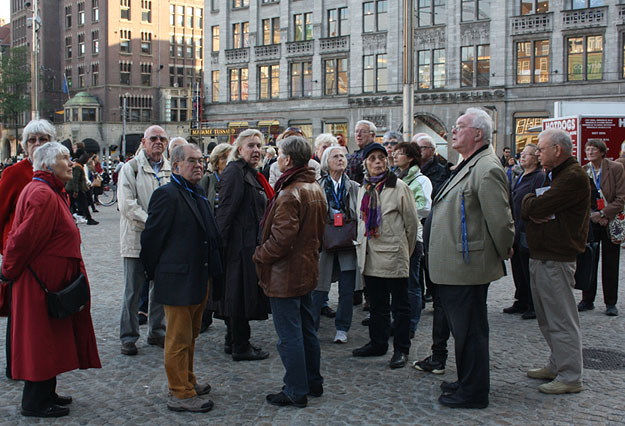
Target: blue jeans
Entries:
(414, 287)
(343, 320)
(297, 344)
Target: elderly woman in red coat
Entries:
(45, 238)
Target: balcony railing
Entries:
(236, 56)
(527, 24)
(300, 48)
(584, 18)
(334, 44)
(270, 51)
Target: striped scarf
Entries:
(370, 210)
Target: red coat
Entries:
(45, 237)
(14, 179)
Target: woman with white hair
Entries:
(44, 245)
(242, 200)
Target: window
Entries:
(198, 17)
(337, 22)
(430, 12)
(189, 48)
(68, 47)
(95, 10)
(238, 84)
(146, 11)
(532, 62)
(271, 31)
(124, 42)
(240, 3)
(269, 82)
(179, 109)
(146, 43)
(81, 76)
(180, 16)
(172, 46)
(68, 16)
(475, 68)
(375, 16)
(81, 44)
(95, 72)
(529, 7)
(431, 72)
(172, 15)
(190, 17)
(68, 76)
(523, 133)
(585, 58)
(81, 13)
(95, 42)
(146, 74)
(124, 72)
(88, 114)
(125, 9)
(302, 26)
(176, 76)
(335, 73)
(198, 48)
(215, 86)
(138, 108)
(215, 38)
(583, 4)
(374, 75)
(180, 46)
(473, 10)
(301, 79)
(240, 35)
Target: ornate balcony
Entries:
(270, 51)
(585, 18)
(237, 56)
(334, 44)
(300, 48)
(529, 24)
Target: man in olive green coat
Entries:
(474, 231)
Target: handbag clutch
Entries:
(67, 302)
(616, 228)
(339, 238)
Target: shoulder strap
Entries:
(41, 284)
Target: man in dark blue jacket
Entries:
(180, 251)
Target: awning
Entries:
(268, 123)
(238, 124)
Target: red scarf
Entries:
(268, 189)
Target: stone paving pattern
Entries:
(133, 390)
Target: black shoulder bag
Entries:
(67, 302)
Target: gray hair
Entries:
(48, 154)
(218, 152)
(327, 153)
(271, 150)
(298, 148)
(393, 135)
(245, 134)
(558, 137)
(325, 137)
(38, 127)
(179, 152)
(175, 141)
(426, 138)
(482, 121)
(371, 126)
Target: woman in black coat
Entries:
(242, 200)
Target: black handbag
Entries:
(69, 301)
(339, 238)
(585, 266)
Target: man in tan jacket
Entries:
(474, 230)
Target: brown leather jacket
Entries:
(287, 261)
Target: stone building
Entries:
(322, 65)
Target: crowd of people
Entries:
(268, 230)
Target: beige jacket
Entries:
(490, 228)
(388, 254)
(137, 182)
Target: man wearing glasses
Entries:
(430, 165)
(138, 179)
(390, 141)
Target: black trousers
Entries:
(38, 395)
(520, 263)
(238, 334)
(380, 290)
(610, 253)
(81, 203)
(465, 308)
(440, 327)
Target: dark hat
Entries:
(372, 147)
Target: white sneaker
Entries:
(341, 337)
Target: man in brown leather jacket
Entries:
(287, 262)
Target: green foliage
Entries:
(14, 81)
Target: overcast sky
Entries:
(5, 10)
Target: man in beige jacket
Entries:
(474, 230)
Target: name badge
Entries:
(338, 219)
(600, 203)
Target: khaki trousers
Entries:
(556, 311)
(183, 327)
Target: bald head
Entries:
(154, 142)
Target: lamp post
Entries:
(34, 62)
(408, 94)
(124, 108)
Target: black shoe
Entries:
(449, 387)
(129, 348)
(95, 210)
(427, 298)
(157, 341)
(611, 310)
(430, 365)
(143, 318)
(366, 321)
(281, 400)
(411, 335)
(327, 311)
(315, 390)
(369, 350)
(398, 360)
(585, 306)
(529, 315)
(62, 400)
(514, 309)
(252, 354)
(357, 298)
(92, 222)
(51, 411)
(453, 401)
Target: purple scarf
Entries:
(370, 210)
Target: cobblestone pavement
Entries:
(133, 390)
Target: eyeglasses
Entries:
(456, 129)
(390, 143)
(155, 138)
(37, 140)
(362, 132)
(539, 149)
(425, 147)
(194, 161)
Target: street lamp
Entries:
(35, 22)
(124, 108)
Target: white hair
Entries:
(47, 155)
(481, 120)
(323, 138)
(38, 127)
(426, 138)
(369, 124)
(558, 137)
(327, 153)
(175, 141)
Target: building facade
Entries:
(322, 65)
